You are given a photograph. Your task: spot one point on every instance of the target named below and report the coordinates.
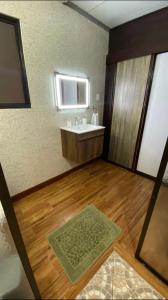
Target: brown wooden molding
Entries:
(137, 172)
(47, 182)
(108, 106)
(142, 36)
(144, 112)
(118, 165)
(145, 175)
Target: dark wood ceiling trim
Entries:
(139, 37)
(86, 15)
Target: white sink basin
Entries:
(82, 128)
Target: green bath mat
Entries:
(79, 242)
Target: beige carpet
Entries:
(116, 279)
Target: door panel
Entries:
(153, 247)
(131, 79)
(156, 123)
(155, 243)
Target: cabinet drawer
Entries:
(90, 135)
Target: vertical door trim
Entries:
(150, 209)
(16, 235)
(110, 81)
(144, 112)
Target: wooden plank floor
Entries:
(120, 194)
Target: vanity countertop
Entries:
(83, 128)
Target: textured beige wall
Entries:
(55, 38)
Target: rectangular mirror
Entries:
(71, 92)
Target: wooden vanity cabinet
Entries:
(82, 147)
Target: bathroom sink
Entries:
(82, 143)
(79, 129)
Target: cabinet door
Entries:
(90, 148)
(131, 80)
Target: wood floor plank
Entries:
(120, 194)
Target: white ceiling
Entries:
(114, 13)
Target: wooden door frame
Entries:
(108, 111)
(144, 112)
(110, 81)
(139, 37)
(150, 210)
(6, 202)
(111, 71)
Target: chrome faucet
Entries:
(78, 121)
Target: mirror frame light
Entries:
(57, 77)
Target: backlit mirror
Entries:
(71, 92)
